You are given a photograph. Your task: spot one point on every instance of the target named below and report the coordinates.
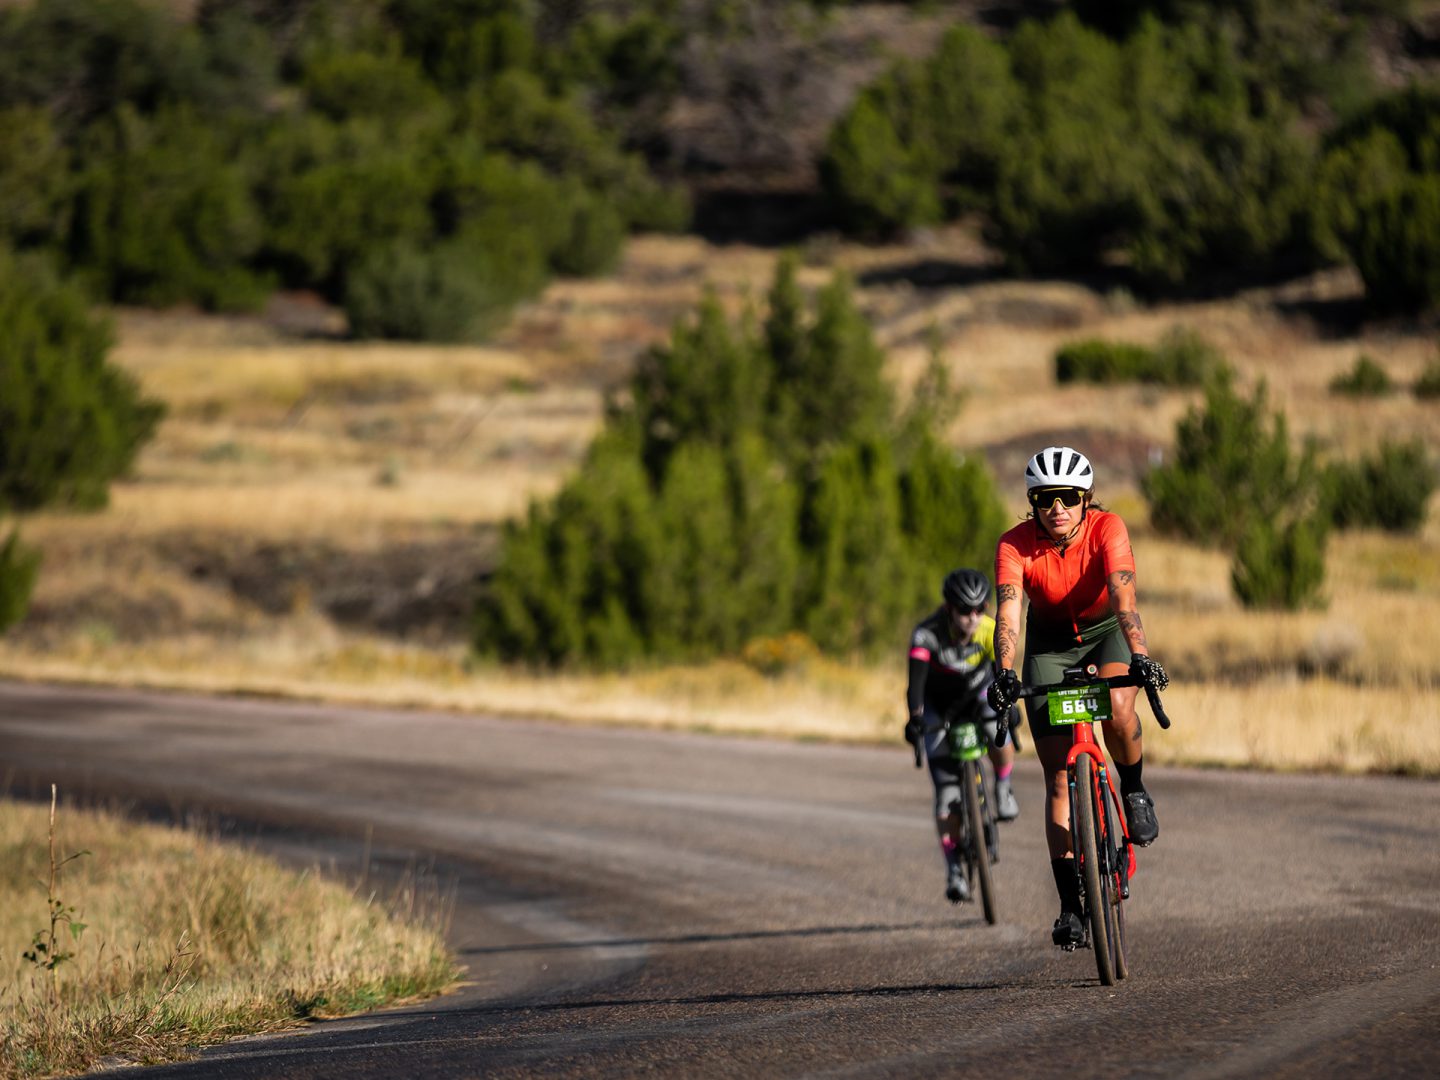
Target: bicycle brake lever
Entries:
(1156, 707)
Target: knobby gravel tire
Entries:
(1115, 899)
(970, 779)
(1088, 852)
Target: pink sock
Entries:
(1002, 772)
(947, 845)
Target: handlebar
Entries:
(1078, 676)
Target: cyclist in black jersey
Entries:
(952, 657)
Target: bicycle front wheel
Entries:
(1115, 895)
(1092, 877)
(971, 777)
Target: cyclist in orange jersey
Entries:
(1071, 558)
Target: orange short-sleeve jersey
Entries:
(1067, 589)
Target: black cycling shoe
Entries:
(956, 887)
(1140, 818)
(1069, 932)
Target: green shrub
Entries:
(924, 141)
(950, 509)
(163, 214)
(1365, 379)
(1280, 566)
(1163, 151)
(35, 179)
(345, 86)
(96, 55)
(1232, 463)
(1183, 358)
(446, 293)
(1379, 199)
(332, 194)
(70, 422)
(19, 567)
(1397, 247)
(1098, 361)
(1428, 385)
(1388, 490)
(755, 483)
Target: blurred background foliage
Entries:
(1186, 141)
(427, 165)
(209, 153)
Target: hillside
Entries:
(314, 514)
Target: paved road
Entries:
(681, 905)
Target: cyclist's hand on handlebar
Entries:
(912, 731)
(1004, 691)
(1148, 671)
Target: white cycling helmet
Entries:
(1059, 466)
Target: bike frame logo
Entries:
(1080, 704)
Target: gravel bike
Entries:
(977, 839)
(1104, 856)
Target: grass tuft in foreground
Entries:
(140, 943)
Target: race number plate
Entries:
(1079, 704)
(964, 741)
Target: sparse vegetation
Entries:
(757, 481)
(70, 421)
(1183, 358)
(1427, 386)
(158, 941)
(1387, 490)
(1365, 379)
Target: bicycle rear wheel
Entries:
(1092, 879)
(971, 777)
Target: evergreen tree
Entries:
(757, 481)
(1233, 462)
(70, 422)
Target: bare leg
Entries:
(1122, 730)
(1052, 752)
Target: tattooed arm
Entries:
(1007, 626)
(1121, 585)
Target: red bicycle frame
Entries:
(1083, 742)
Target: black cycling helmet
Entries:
(966, 589)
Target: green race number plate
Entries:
(965, 742)
(1079, 704)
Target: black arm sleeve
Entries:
(915, 688)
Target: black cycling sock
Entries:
(1130, 777)
(1066, 884)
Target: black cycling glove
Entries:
(912, 731)
(1004, 691)
(1148, 671)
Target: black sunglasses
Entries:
(1040, 498)
(962, 611)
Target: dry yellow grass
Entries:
(364, 447)
(181, 942)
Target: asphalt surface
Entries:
(634, 903)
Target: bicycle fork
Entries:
(1072, 786)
